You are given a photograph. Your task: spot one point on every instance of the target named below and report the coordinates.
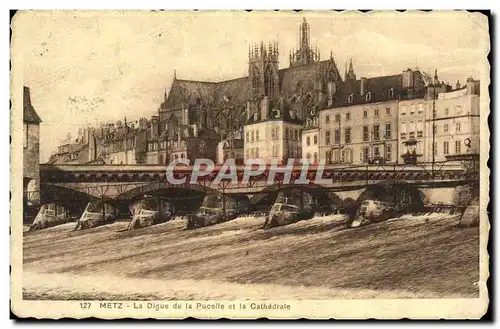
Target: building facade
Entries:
(412, 128)
(456, 122)
(31, 151)
(310, 140)
(363, 126)
(274, 137)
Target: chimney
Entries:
(471, 86)
(362, 86)
(154, 126)
(264, 111)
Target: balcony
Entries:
(403, 135)
(420, 133)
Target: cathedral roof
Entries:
(185, 92)
(293, 80)
(30, 115)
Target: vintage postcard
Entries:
(250, 164)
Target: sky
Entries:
(87, 68)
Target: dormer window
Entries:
(368, 96)
(350, 98)
(390, 93)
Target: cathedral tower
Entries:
(263, 66)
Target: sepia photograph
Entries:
(247, 164)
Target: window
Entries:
(336, 156)
(342, 156)
(446, 146)
(457, 126)
(350, 98)
(446, 111)
(376, 151)
(458, 147)
(388, 153)
(365, 154)
(412, 126)
(376, 132)
(308, 141)
(420, 129)
(315, 158)
(412, 109)
(368, 96)
(366, 133)
(297, 135)
(387, 130)
(327, 137)
(436, 148)
(376, 112)
(337, 117)
(390, 93)
(248, 136)
(256, 152)
(275, 150)
(287, 133)
(458, 110)
(291, 134)
(315, 139)
(337, 136)
(365, 113)
(445, 128)
(421, 108)
(328, 156)
(403, 128)
(257, 135)
(308, 156)
(403, 110)
(347, 136)
(251, 136)
(387, 111)
(348, 116)
(327, 119)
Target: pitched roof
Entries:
(30, 115)
(378, 87)
(184, 92)
(233, 92)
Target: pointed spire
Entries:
(175, 74)
(165, 96)
(458, 84)
(436, 79)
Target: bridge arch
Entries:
(268, 196)
(72, 199)
(404, 195)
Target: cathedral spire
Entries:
(175, 74)
(305, 54)
(350, 74)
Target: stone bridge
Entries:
(129, 182)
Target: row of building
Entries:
(306, 111)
